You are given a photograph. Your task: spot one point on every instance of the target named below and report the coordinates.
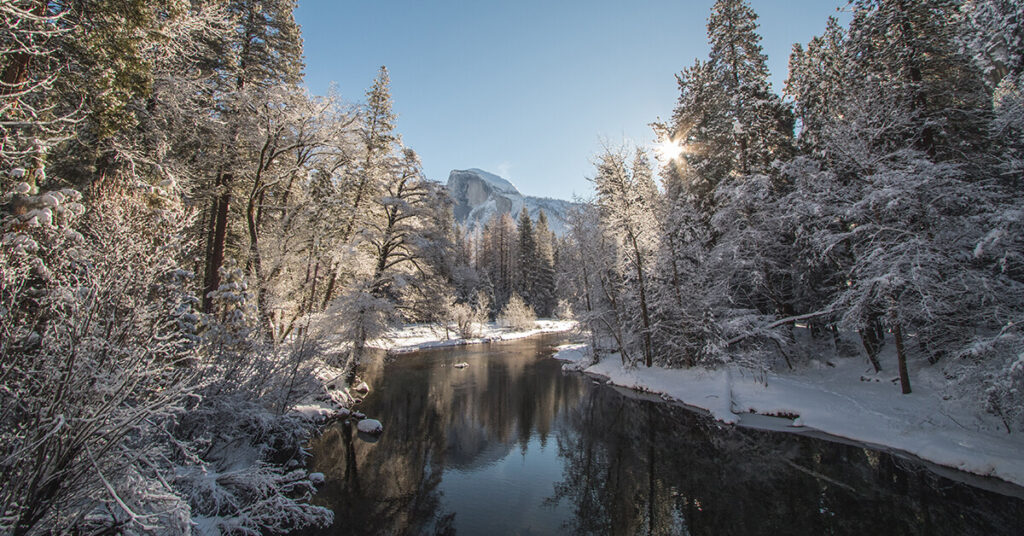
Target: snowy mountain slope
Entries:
(480, 196)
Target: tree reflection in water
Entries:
(512, 445)
(635, 466)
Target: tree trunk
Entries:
(329, 293)
(648, 351)
(926, 141)
(15, 74)
(675, 270)
(873, 338)
(901, 358)
(650, 468)
(215, 256)
(256, 263)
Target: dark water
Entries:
(512, 445)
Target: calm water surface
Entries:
(512, 445)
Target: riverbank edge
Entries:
(792, 404)
(416, 337)
(335, 401)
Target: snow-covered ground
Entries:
(841, 397)
(413, 337)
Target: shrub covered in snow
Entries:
(122, 408)
(94, 356)
(563, 311)
(465, 320)
(469, 319)
(517, 315)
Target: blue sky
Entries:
(528, 89)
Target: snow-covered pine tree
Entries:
(378, 142)
(263, 53)
(912, 52)
(497, 259)
(269, 43)
(545, 293)
(816, 81)
(701, 127)
(526, 266)
(731, 129)
(760, 124)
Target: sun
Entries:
(668, 150)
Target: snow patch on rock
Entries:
(370, 426)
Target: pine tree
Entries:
(269, 43)
(816, 81)
(546, 297)
(994, 33)
(735, 50)
(727, 119)
(731, 129)
(378, 140)
(263, 54)
(526, 266)
(761, 125)
(498, 260)
(701, 125)
(911, 52)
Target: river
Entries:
(511, 444)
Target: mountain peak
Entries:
(497, 182)
(480, 195)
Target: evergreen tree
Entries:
(817, 81)
(526, 266)
(378, 141)
(269, 43)
(263, 54)
(994, 33)
(727, 119)
(545, 295)
(911, 52)
(731, 129)
(497, 259)
(761, 125)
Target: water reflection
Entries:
(511, 445)
(437, 419)
(640, 467)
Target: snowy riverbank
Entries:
(415, 337)
(335, 398)
(841, 397)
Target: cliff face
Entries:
(480, 196)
